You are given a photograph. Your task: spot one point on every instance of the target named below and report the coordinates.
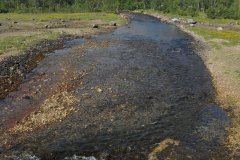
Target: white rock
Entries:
(191, 21)
(220, 29)
(175, 20)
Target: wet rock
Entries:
(95, 26)
(75, 157)
(13, 69)
(14, 22)
(22, 157)
(104, 155)
(0, 24)
(63, 21)
(27, 97)
(219, 29)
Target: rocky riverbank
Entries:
(13, 69)
(193, 23)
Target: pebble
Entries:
(99, 90)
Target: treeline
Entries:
(213, 8)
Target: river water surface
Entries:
(137, 93)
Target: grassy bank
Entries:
(18, 31)
(65, 16)
(20, 42)
(223, 61)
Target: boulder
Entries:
(219, 29)
(0, 24)
(175, 20)
(46, 26)
(113, 24)
(14, 22)
(192, 25)
(191, 21)
(95, 26)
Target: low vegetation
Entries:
(65, 16)
(19, 31)
(21, 42)
(228, 37)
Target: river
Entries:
(140, 92)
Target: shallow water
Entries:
(138, 86)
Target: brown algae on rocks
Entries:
(54, 109)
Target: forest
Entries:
(213, 8)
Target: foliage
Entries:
(213, 9)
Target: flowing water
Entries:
(137, 93)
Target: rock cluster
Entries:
(13, 69)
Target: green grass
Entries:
(232, 37)
(19, 43)
(200, 18)
(66, 16)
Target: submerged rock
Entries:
(75, 157)
(212, 124)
